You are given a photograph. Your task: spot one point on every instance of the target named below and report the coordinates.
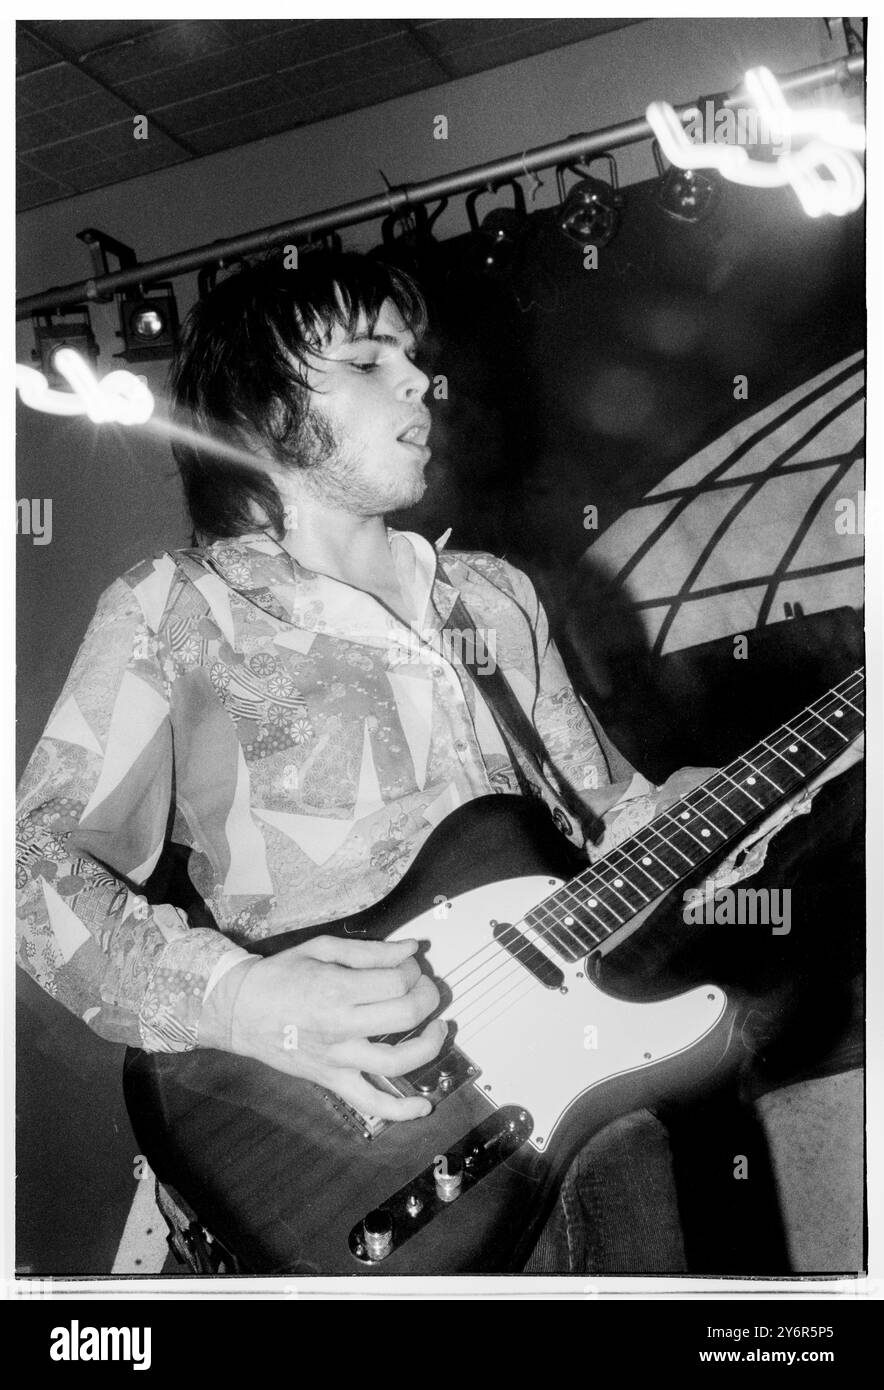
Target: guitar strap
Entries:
(516, 728)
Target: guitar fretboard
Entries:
(600, 901)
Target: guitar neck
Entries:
(603, 900)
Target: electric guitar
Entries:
(514, 923)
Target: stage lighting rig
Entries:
(71, 330)
(496, 239)
(685, 194)
(589, 212)
(149, 324)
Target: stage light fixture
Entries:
(685, 194)
(589, 213)
(496, 239)
(72, 330)
(149, 325)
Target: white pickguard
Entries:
(540, 1048)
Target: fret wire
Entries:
(679, 824)
(739, 787)
(783, 759)
(860, 712)
(669, 812)
(661, 836)
(624, 854)
(834, 728)
(546, 930)
(553, 930)
(601, 926)
(592, 880)
(594, 896)
(751, 764)
(813, 749)
(705, 787)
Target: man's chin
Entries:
(408, 495)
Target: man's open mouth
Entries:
(415, 434)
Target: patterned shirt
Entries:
(297, 738)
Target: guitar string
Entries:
(583, 947)
(623, 854)
(466, 1024)
(705, 788)
(513, 956)
(835, 696)
(508, 957)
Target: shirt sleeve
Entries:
(93, 816)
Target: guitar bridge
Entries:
(435, 1081)
(438, 1079)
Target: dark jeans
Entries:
(617, 1211)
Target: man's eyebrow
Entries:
(385, 339)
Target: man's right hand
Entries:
(309, 1011)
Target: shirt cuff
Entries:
(191, 965)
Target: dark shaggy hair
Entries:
(240, 374)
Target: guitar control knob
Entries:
(378, 1231)
(448, 1172)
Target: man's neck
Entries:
(354, 549)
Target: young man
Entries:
(281, 700)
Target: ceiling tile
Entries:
(244, 31)
(321, 39)
(372, 89)
(201, 77)
(245, 100)
(524, 43)
(54, 86)
(225, 135)
(218, 84)
(369, 60)
(104, 172)
(36, 128)
(168, 48)
(92, 112)
(115, 142)
(79, 36)
(30, 53)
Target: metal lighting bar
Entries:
(396, 199)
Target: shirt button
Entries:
(460, 748)
(437, 672)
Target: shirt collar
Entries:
(260, 569)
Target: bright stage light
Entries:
(118, 398)
(825, 174)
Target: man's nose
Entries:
(417, 382)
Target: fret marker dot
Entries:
(685, 815)
(618, 882)
(647, 859)
(593, 902)
(569, 921)
(793, 747)
(839, 714)
(751, 781)
(704, 832)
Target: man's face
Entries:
(370, 426)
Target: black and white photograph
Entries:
(440, 656)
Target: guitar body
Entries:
(284, 1174)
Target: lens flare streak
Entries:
(825, 173)
(120, 397)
